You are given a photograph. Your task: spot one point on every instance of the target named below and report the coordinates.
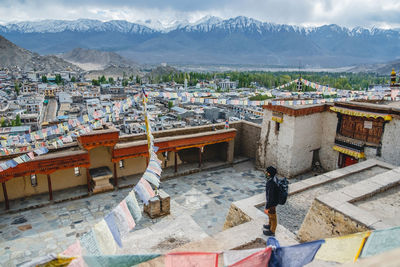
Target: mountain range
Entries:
(212, 40)
(12, 56)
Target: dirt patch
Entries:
(258, 243)
(171, 242)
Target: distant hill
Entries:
(11, 56)
(211, 40)
(379, 68)
(91, 59)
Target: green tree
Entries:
(73, 79)
(102, 79)
(138, 81)
(3, 122)
(111, 80)
(44, 79)
(95, 82)
(18, 120)
(58, 79)
(16, 88)
(170, 105)
(125, 83)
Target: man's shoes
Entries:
(267, 226)
(268, 233)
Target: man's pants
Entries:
(273, 220)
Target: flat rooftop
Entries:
(199, 205)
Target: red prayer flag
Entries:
(191, 259)
(258, 259)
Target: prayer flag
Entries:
(294, 256)
(121, 221)
(118, 260)
(104, 238)
(342, 249)
(133, 206)
(233, 256)
(112, 225)
(74, 250)
(142, 192)
(190, 259)
(380, 241)
(148, 188)
(89, 243)
(128, 216)
(257, 259)
(152, 178)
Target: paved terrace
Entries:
(199, 205)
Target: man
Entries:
(272, 198)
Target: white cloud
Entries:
(350, 13)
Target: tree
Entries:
(124, 83)
(3, 122)
(44, 79)
(73, 79)
(58, 79)
(102, 79)
(16, 88)
(95, 82)
(18, 120)
(170, 105)
(138, 81)
(111, 80)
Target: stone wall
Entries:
(235, 217)
(327, 156)
(290, 148)
(391, 142)
(249, 139)
(322, 222)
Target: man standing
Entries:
(272, 199)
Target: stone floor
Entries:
(199, 204)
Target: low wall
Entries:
(322, 221)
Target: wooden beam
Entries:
(115, 176)
(49, 186)
(88, 179)
(176, 161)
(200, 152)
(6, 201)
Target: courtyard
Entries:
(199, 205)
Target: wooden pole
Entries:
(50, 188)
(176, 161)
(200, 156)
(88, 179)
(115, 176)
(5, 196)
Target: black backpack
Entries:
(283, 186)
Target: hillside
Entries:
(11, 56)
(91, 59)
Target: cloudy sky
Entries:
(349, 13)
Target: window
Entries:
(121, 164)
(33, 180)
(77, 171)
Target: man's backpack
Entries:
(283, 186)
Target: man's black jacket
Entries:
(271, 193)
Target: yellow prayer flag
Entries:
(342, 249)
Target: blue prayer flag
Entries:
(294, 256)
(112, 225)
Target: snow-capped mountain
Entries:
(80, 25)
(239, 40)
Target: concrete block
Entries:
(387, 178)
(298, 187)
(317, 180)
(357, 214)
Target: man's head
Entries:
(271, 171)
